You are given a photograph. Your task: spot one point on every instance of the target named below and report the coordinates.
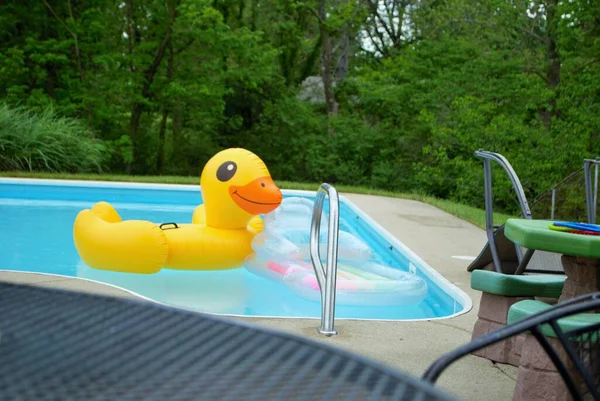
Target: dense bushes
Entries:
(165, 85)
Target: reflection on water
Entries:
(214, 292)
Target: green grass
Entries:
(468, 213)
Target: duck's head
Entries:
(237, 185)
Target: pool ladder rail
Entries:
(326, 276)
(591, 190)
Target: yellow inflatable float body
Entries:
(236, 187)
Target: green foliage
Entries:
(46, 142)
(164, 84)
(122, 149)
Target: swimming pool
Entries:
(36, 217)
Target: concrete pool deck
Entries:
(441, 240)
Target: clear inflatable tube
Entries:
(295, 243)
(291, 222)
(371, 284)
(282, 254)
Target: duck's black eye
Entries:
(226, 171)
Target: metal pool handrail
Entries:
(487, 157)
(326, 277)
(501, 160)
(591, 192)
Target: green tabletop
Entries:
(535, 234)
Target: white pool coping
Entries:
(442, 282)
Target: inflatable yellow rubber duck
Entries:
(236, 187)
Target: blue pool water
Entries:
(36, 221)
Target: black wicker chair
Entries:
(581, 345)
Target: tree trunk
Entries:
(253, 15)
(343, 64)
(326, 64)
(160, 159)
(309, 64)
(553, 66)
(72, 33)
(76, 42)
(177, 120)
(134, 123)
(149, 74)
(51, 81)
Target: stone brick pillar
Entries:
(493, 311)
(538, 378)
(583, 276)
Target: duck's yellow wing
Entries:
(106, 242)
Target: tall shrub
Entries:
(47, 142)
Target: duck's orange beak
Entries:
(257, 197)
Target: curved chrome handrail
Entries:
(591, 191)
(326, 277)
(489, 213)
(501, 160)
